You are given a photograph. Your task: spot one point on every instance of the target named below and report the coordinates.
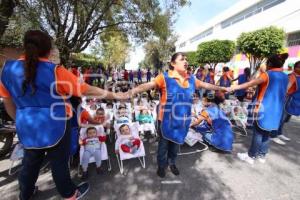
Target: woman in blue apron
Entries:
(174, 115)
(213, 124)
(268, 109)
(243, 78)
(292, 105)
(36, 94)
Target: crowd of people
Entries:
(168, 104)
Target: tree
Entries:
(6, 11)
(15, 30)
(85, 60)
(192, 58)
(158, 52)
(113, 49)
(215, 51)
(74, 24)
(260, 44)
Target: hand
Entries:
(122, 95)
(233, 88)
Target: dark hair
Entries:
(36, 44)
(123, 125)
(100, 109)
(225, 69)
(90, 128)
(173, 58)
(213, 98)
(277, 60)
(247, 72)
(297, 64)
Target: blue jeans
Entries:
(167, 150)
(285, 118)
(260, 143)
(58, 157)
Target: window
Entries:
(293, 39)
(251, 11)
(202, 35)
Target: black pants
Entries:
(58, 157)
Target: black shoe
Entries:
(82, 189)
(174, 170)
(98, 170)
(85, 175)
(161, 172)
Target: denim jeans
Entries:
(260, 143)
(167, 150)
(58, 157)
(285, 118)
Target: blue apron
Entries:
(177, 110)
(40, 117)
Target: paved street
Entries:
(207, 175)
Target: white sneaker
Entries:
(278, 141)
(283, 137)
(261, 160)
(246, 158)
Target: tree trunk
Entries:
(64, 54)
(6, 11)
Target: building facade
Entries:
(250, 15)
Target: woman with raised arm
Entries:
(268, 106)
(36, 94)
(174, 117)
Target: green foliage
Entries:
(15, 30)
(215, 51)
(75, 24)
(113, 49)
(192, 58)
(85, 60)
(158, 52)
(259, 44)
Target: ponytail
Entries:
(36, 44)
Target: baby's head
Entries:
(109, 105)
(144, 111)
(122, 109)
(93, 107)
(91, 132)
(196, 97)
(124, 129)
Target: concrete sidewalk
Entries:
(207, 175)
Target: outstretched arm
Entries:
(251, 83)
(103, 94)
(209, 86)
(142, 88)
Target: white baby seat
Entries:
(140, 154)
(104, 153)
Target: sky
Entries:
(189, 18)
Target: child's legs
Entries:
(85, 159)
(97, 156)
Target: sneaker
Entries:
(98, 170)
(245, 157)
(161, 172)
(278, 141)
(261, 159)
(174, 170)
(85, 175)
(283, 137)
(82, 189)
